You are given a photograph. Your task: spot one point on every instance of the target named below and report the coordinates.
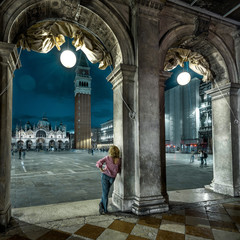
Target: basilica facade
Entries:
(40, 137)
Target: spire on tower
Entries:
(83, 62)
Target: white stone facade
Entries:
(42, 136)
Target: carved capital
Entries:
(220, 91)
(9, 56)
(121, 73)
(147, 8)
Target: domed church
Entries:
(41, 136)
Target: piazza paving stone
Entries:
(228, 226)
(110, 234)
(195, 221)
(132, 237)
(150, 221)
(90, 231)
(174, 217)
(122, 226)
(55, 235)
(199, 232)
(173, 226)
(167, 235)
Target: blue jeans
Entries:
(106, 184)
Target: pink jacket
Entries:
(111, 169)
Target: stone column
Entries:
(225, 132)
(150, 177)
(123, 81)
(8, 62)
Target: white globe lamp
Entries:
(68, 59)
(183, 78)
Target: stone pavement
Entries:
(57, 177)
(217, 217)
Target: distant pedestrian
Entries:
(24, 153)
(192, 157)
(201, 158)
(20, 153)
(112, 167)
(205, 155)
(92, 151)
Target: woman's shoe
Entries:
(101, 209)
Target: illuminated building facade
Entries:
(106, 135)
(182, 117)
(41, 136)
(205, 110)
(82, 124)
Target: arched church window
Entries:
(41, 134)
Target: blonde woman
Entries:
(109, 166)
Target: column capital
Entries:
(149, 9)
(122, 72)
(9, 55)
(223, 90)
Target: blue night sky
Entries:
(42, 86)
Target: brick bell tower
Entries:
(82, 123)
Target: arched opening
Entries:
(41, 133)
(117, 43)
(52, 145)
(219, 59)
(40, 144)
(29, 144)
(20, 144)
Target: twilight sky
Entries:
(42, 86)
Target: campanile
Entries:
(82, 123)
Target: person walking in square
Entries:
(20, 153)
(205, 155)
(201, 158)
(192, 157)
(109, 166)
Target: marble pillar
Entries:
(150, 194)
(8, 64)
(225, 132)
(123, 81)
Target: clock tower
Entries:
(82, 123)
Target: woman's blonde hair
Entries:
(114, 152)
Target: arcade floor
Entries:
(195, 213)
(217, 217)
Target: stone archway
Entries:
(29, 144)
(94, 18)
(225, 86)
(131, 34)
